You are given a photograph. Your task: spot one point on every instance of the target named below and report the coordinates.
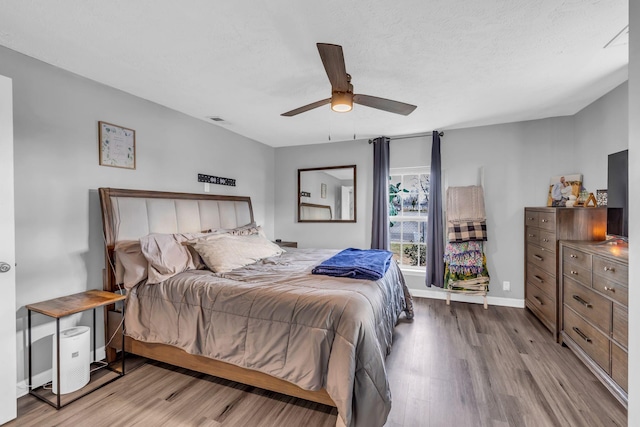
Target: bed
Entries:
(269, 324)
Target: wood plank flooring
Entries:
(457, 365)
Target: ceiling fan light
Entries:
(341, 102)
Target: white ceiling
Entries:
(463, 63)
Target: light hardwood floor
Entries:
(457, 365)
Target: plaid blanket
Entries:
(464, 231)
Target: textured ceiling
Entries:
(463, 63)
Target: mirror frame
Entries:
(355, 198)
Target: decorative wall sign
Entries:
(216, 180)
(116, 146)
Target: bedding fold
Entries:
(366, 264)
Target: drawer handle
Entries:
(607, 288)
(611, 269)
(573, 256)
(575, 273)
(545, 220)
(582, 335)
(532, 235)
(545, 240)
(538, 300)
(530, 218)
(581, 301)
(538, 257)
(538, 278)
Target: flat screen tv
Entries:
(618, 195)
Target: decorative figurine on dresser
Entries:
(594, 289)
(544, 228)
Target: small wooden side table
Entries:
(58, 308)
(286, 244)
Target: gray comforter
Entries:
(276, 317)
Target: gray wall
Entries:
(323, 235)
(514, 161)
(59, 243)
(514, 164)
(634, 210)
(601, 128)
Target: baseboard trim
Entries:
(475, 299)
(42, 378)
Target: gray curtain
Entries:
(435, 244)
(380, 213)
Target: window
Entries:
(408, 201)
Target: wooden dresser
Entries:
(544, 227)
(594, 317)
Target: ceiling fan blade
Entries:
(384, 104)
(333, 61)
(306, 108)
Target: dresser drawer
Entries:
(593, 342)
(612, 289)
(577, 273)
(543, 306)
(611, 270)
(548, 240)
(619, 366)
(533, 235)
(531, 218)
(620, 330)
(593, 307)
(541, 257)
(575, 257)
(543, 280)
(547, 220)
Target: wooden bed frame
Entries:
(167, 353)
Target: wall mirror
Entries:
(327, 194)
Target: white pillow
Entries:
(226, 252)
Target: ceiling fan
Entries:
(342, 96)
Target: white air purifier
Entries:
(75, 360)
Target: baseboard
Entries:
(44, 377)
(476, 299)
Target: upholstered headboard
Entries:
(313, 212)
(131, 214)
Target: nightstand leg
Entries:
(29, 333)
(94, 334)
(58, 360)
(124, 307)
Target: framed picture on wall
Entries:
(116, 146)
(561, 187)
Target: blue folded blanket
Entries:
(369, 264)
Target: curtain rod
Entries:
(411, 136)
